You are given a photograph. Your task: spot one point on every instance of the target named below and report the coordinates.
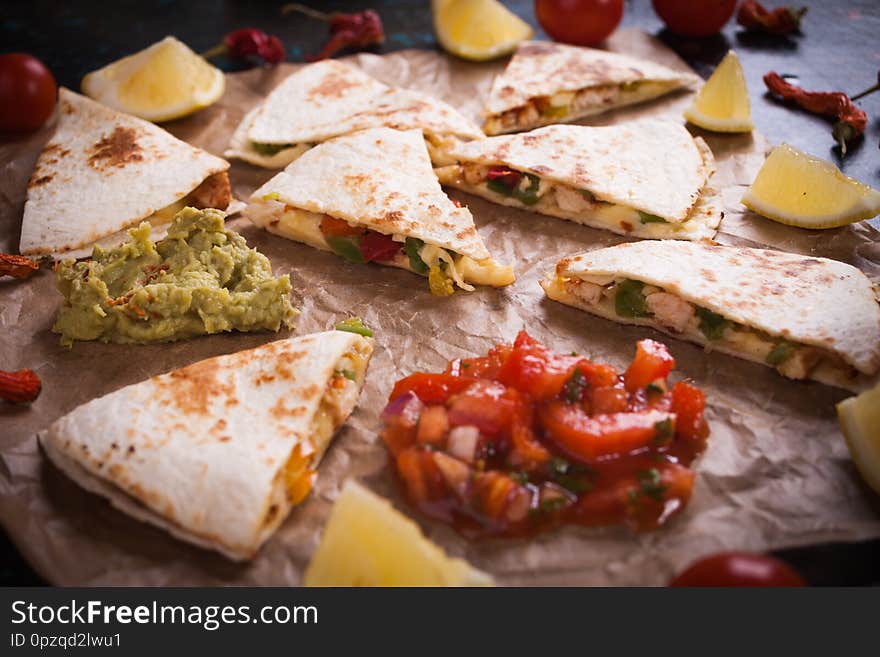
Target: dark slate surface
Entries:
(838, 50)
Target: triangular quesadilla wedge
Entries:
(104, 171)
(219, 451)
(548, 83)
(646, 178)
(372, 196)
(810, 318)
(328, 99)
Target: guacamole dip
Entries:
(200, 279)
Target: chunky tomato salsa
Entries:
(524, 438)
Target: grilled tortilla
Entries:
(548, 83)
(810, 318)
(328, 99)
(104, 171)
(219, 451)
(373, 193)
(619, 178)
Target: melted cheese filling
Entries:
(340, 398)
(267, 154)
(680, 317)
(304, 226)
(578, 205)
(570, 105)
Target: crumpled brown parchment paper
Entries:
(776, 472)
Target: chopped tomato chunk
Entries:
(487, 405)
(652, 361)
(433, 425)
(524, 438)
(423, 479)
(587, 438)
(688, 403)
(534, 369)
(430, 388)
(610, 399)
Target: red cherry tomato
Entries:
(581, 22)
(739, 569)
(27, 93)
(695, 18)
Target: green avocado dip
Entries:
(200, 279)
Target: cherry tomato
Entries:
(695, 18)
(27, 93)
(581, 22)
(738, 569)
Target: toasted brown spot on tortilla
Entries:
(709, 275)
(627, 226)
(42, 180)
(192, 388)
(131, 449)
(333, 86)
(581, 174)
(311, 391)
(356, 178)
(536, 48)
(224, 439)
(116, 149)
(263, 377)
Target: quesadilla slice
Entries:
(371, 196)
(647, 178)
(219, 451)
(809, 318)
(328, 99)
(104, 171)
(548, 83)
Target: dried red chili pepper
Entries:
(248, 43)
(356, 30)
(851, 121)
(20, 387)
(17, 266)
(782, 20)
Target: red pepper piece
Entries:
(17, 266)
(249, 43)
(357, 30)
(782, 20)
(509, 177)
(20, 387)
(379, 247)
(851, 121)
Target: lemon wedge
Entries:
(367, 542)
(797, 189)
(722, 104)
(860, 421)
(478, 29)
(162, 82)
